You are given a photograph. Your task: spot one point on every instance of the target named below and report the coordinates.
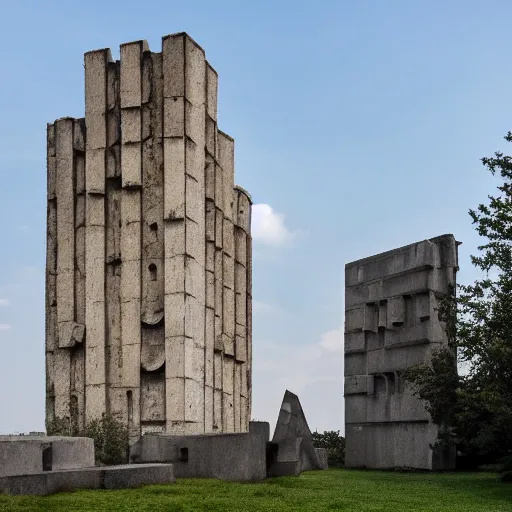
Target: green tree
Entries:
(478, 405)
(334, 443)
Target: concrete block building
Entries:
(391, 324)
(148, 274)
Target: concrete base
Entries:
(394, 445)
(114, 477)
(25, 455)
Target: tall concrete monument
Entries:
(391, 324)
(148, 277)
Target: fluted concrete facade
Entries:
(391, 324)
(148, 279)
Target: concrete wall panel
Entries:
(390, 326)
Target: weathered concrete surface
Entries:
(323, 458)
(237, 457)
(261, 428)
(113, 477)
(391, 324)
(148, 278)
(24, 455)
(292, 438)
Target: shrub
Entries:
(110, 437)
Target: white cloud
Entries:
(4, 327)
(4, 302)
(261, 307)
(313, 371)
(268, 226)
(332, 341)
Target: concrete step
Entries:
(110, 477)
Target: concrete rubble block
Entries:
(386, 425)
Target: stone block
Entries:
(136, 475)
(238, 457)
(323, 458)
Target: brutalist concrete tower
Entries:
(391, 324)
(148, 277)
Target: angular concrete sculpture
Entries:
(391, 324)
(292, 449)
(148, 277)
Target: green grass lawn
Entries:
(336, 489)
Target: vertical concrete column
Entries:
(210, 424)
(65, 278)
(96, 64)
(248, 374)
(78, 353)
(184, 217)
(242, 230)
(226, 148)
(51, 273)
(116, 395)
(153, 282)
(131, 176)
(218, 421)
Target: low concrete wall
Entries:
(237, 457)
(114, 477)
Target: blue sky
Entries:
(359, 127)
